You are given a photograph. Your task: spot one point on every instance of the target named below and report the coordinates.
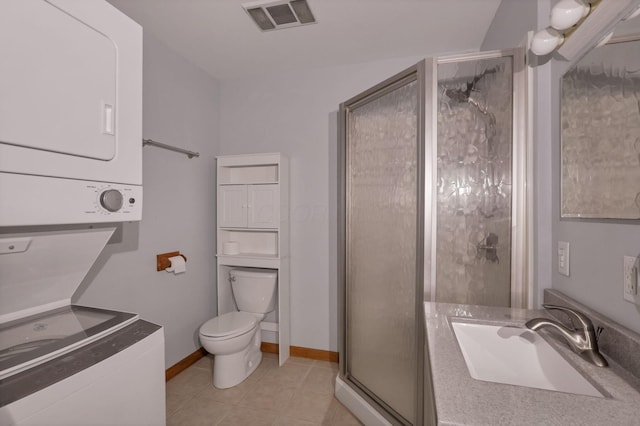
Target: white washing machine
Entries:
(62, 364)
(112, 375)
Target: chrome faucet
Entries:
(583, 339)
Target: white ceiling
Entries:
(219, 37)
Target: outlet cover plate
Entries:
(563, 258)
(630, 275)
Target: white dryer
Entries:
(70, 113)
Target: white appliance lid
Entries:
(229, 324)
(41, 269)
(30, 341)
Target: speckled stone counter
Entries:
(462, 400)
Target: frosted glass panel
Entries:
(601, 134)
(381, 246)
(474, 148)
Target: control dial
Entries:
(111, 200)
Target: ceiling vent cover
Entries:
(274, 15)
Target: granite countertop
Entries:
(462, 400)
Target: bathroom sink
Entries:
(517, 356)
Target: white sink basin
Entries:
(517, 356)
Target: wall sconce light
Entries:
(586, 22)
(546, 41)
(634, 14)
(605, 39)
(567, 13)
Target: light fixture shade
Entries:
(605, 39)
(567, 13)
(633, 14)
(546, 41)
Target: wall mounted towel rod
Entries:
(188, 153)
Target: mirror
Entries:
(600, 133)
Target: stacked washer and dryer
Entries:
(70, 171)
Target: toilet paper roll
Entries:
(231, 247)
(178, 265)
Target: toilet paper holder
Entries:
(163, 261)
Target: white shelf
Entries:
(253, 211)
(250, 262)
(248, 255)
(234, 229)
(248, 174)
(254, 242)
(249, 183)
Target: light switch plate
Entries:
(630, 275)
(563, 258)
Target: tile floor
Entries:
(298, 393)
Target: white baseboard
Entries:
(358, 406)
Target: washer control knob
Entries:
(111, 200)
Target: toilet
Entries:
(234, 338)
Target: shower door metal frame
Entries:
(521, 154)
(417, 73)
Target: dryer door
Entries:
(58, 85)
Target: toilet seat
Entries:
(228, 325)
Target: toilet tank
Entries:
(254, 289)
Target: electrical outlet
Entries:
(630, 274)
(563, 258)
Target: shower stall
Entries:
(432, 207)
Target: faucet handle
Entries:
(584, 320)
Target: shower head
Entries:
(460, 95)
(457, 95)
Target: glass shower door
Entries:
(479, 180)
(383, 201)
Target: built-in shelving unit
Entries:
(253, 230)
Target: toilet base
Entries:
(231, 370)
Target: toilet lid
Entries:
(229, 324)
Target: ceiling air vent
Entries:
(274, 15)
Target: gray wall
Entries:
(296, 113)
(543, 169)
(510, 25)
(514, 18)
(180, 107)
(597, 247)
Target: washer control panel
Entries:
(114, 199)
(111, 200)
(66, 201)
